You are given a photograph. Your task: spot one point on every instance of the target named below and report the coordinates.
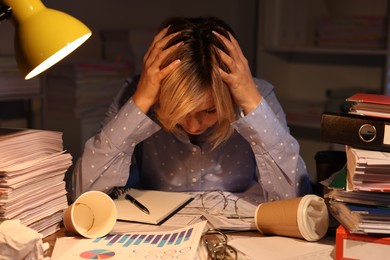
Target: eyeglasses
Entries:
(217, 246)
(215, 202)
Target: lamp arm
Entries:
(5, 12)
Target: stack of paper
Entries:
(80, 94)
(86, 89)
(32, 187)
(368, 170)
(362, 202)
(11, 81)
(369, 104)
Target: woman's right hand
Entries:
(148, 87)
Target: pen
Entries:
(137, 204)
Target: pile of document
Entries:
(32, 187)
(86, 89)
(363, 206)
(11, 81)
(80, 94)
(360, 193)
(368, 170)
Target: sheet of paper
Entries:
(372, 157)
(227, 219)
(282, 248)
(180, 243)
(176, 221)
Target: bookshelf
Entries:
(305, 69)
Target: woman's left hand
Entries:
(239, 80)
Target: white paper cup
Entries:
(303, 217)
(92, 215)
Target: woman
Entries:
(194, 120)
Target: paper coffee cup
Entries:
(92, 215)
(303, 217)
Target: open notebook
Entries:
(161, 205)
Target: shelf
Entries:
(327, 51)
(375, 58)
(20, 96)
(14, 88)
(300, 59)
(306, 132)
(350, 27)
(304, 114)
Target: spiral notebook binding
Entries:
(118, 191)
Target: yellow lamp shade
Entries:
(43, 36)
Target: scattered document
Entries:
(283, 248)
(179, 244)
(227, 219)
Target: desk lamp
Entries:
(43, 36)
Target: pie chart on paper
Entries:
(97, 254)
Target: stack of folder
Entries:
(32, 187)
(359, 196)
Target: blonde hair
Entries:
(196, 77)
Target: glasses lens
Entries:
(214, 202)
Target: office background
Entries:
(277, 37)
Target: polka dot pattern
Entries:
(260, 146)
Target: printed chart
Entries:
(174, 244)
(97, 254)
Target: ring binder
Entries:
(365, 132)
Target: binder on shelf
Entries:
(365, 132)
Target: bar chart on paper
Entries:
(174, 244)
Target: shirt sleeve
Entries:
(280, 168)
(107, 156)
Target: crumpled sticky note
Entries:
(19, 242)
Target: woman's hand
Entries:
(148, 87)
(239, 80)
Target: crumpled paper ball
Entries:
(19, 242)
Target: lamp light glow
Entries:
(43, 36)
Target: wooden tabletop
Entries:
(51, 239)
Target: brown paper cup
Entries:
(92, 215)
(304, 217)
